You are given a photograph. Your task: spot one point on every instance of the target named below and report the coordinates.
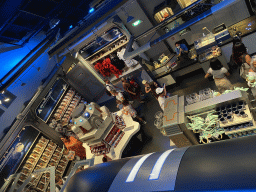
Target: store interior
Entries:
(59, 117)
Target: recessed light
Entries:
(7, 99)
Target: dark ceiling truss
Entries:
(29, 17)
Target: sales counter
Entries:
(246, 29)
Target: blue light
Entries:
(85, 103)
(87, 114)
(81, 120)
(71, 26)
(70, 121)
(75, 123)
(90, 108)
(91, 10)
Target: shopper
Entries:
(119, 96)
(109, 87)
(252, 73)
(73, 144)
(150, 88)
(162, 96)
(129, 110)
(239, 54)
(219, 74)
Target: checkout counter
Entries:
(178, 109)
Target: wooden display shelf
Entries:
(105, 47)
(107, 53)
(239, 120)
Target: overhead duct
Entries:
(131, 54)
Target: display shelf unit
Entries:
(46, 163)
(50, 155)
(65, 124)
(240, 120)
(66, 107)
(123, 36)
(108, 52)
(240, 130)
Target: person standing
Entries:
(150, 87)
(219, 74)
(181, 49)
(129, 110)
(162, 96)
(119, 96)
(109, 87)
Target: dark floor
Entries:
(190, 83)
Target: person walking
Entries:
(129, 110)
(219, 74)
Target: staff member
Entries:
(181, 49)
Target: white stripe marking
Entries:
(136, 168)
(158, 165)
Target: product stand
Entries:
(175, 121)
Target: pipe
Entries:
(44, 45)
(219, 166)
(214, 9)
(91, 21)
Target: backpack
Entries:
(244, 69)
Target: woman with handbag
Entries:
(241, 58)
(219, 74)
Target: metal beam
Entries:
(44, 45)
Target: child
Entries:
(219, 74)
(129, 110)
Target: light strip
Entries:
(158, 165)
(136, 168)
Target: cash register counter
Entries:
(163, 75)
(176, 111)
(132, 127)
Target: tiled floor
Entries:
(193, 82)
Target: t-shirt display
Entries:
(128, 62)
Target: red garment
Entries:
(75, 145)
(106, 68)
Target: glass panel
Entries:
(101, 41)
(48, 104)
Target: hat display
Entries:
(144, 82)
(159, 90)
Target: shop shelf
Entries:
(239, 120)
(240, 130)
(104, 47)
(107, 53)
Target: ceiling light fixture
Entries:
(136, 23)
(7, 99)
(0, 102)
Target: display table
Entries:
(132, 127)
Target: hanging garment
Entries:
(106, 68)
(118, 63)
(128, 62)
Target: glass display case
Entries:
(186, 3)
(209, 53)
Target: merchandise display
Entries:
(45, 153)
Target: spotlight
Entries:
(3, 92)
(0, 102)
(7, 99)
